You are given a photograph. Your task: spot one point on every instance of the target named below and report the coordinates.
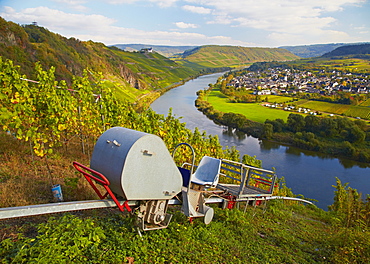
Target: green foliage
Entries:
(48, 113)
(349, 50)
(349, 206)
(281, 234)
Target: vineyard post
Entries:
(81, 136)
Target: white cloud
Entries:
(75, 4)
(164, 3)
(160, 3)
(313, 37)
(185, 25)
(197, 9)
(59, 21)
(119, 2)
(173, 38)
(277, 21)
(278, 15)
(289, 19)
(102, 29)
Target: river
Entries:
(306, 173)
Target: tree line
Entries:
(336, 136)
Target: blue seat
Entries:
(185, 176)
(207, 172)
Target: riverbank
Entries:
(144, 101)
(334, 136)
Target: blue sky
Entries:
(253, 23)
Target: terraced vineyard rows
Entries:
(326, 107)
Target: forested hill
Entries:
(360, 49)
(310, 51)
(234, 56)
(27, 44)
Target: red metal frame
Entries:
(91, 175)
(264, 182)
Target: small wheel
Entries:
(208, 216)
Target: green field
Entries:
(277, 99)
(257, 112)
(359, 111)
(366, 103)
(347, 64)
(325, 107)
(253, 111)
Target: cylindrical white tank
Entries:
(138, 165)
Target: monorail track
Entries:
(51, 208)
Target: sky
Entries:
(249, 23)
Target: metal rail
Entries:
(51, 208)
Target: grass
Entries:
(286, 232)
(278, 99)
(281, 234)
(253, 111)
(258, 113)
(25, 179)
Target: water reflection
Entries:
(269, 145)
(348, 164)
(293, 151)
(230, 132)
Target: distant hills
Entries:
(166, 51)
(359, 49)
(233, 56)
(316, 50)
(303, 51)
(215, 56)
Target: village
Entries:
(279, 81)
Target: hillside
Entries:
(234, 56)
(133, 73)
(166, 51)
(359, 49)
(316, 50)
(309, 51)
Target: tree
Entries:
(295, 122)
(268, 130)
(312, 123)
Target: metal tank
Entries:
(138, 165)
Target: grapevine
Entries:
(48, 113)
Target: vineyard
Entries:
(49, 118)
(326, 107)
(358, 111)
(59, 121)
(366, 103)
